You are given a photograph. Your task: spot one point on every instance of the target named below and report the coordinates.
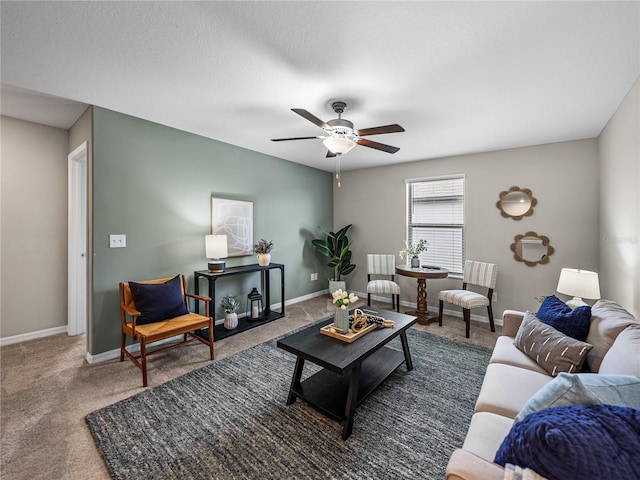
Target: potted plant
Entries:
(230, 305)
(263, 249)
(412, 251)
(336, 248)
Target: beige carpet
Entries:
(48, 388)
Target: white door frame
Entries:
(77, 241)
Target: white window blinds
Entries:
(436, 214)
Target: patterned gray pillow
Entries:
(552, 350)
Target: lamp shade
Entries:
(579, 283)
(216, 246)
(339, 144)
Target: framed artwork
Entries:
(233, 218)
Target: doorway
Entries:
(77, 241)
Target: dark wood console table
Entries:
(268, 314)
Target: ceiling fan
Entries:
(341, 136)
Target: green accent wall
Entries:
(155, 183)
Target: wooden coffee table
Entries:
(351, 371)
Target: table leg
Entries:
(405, 349)
(295, 381)
(352, 400)
(422, 311)
(422, 297)
(196, 290)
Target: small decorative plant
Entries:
(411, 251)
(342, 299)
(229, 303)
(263, 246)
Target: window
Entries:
(436, 214)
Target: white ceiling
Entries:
(460, 77)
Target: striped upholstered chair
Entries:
(382, 266)
(475, 273)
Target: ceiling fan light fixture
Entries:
(338, 144)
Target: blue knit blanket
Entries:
(586, 442)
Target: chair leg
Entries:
(143, 361)
(490, 312)
(398, 303)
(467, 319)
(211, 338)
(440, 308)
(122, 340)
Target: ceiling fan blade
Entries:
(378, 146)
(292, 138)
(309, 116)
(330, 154)
(395, 128)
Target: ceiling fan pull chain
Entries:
(338, 170)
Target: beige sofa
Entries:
(512, 378)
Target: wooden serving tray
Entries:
(348, 337)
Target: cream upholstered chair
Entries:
(382, 265)
(481, 274)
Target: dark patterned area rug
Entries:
(229, 420)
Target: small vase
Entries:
(341, 320)
(415, 262)
(230, 320)
(264, 259)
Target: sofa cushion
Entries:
(505, 389)
(560, 316)
(507, 353)
(589, 442)
(585, 389)
(486, 433)
(551, 349)
(158, 301)
(608, 319)
(623, 358)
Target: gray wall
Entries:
(154, 184)
(567, 212)
(620, 204)
(33, 227)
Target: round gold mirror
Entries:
(516, 203)
(532, 249)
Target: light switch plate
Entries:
(117, 241)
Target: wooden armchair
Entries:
(154, 310)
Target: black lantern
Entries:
(254, 305)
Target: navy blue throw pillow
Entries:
(574, 323)
(158, 301)
(589, 442)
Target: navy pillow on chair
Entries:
(574, 323)
(158, 301)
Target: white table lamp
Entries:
(579, 284)
(216, 248)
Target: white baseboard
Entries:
(133, 349)
(25, 337)
(453, 313)
(114, 354)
